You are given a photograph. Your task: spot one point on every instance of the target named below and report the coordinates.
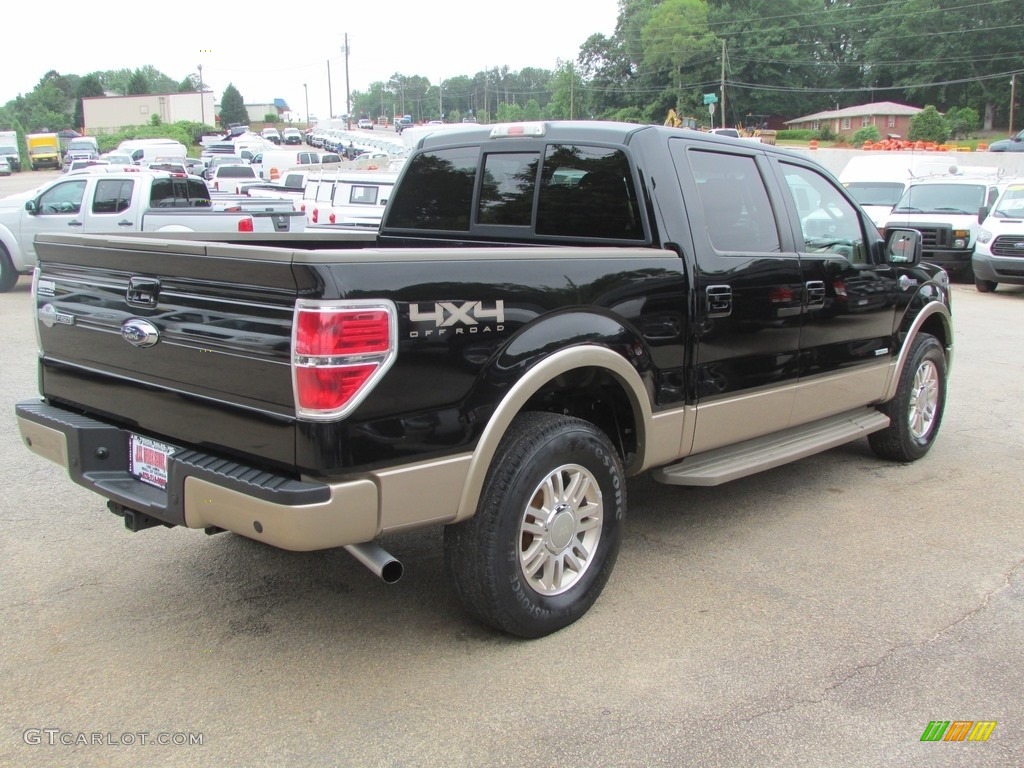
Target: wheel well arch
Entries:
(934, 319)
(592, 383)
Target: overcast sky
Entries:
(269, 55)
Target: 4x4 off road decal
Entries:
(444, 317)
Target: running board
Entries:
(735, 461)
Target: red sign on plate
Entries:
(148, 460)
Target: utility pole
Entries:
(202, 106)
(330, 96)
(572, 89)
(440, 105)
(1013, 98)
(305, 87)
(723, 82)
(348, 99)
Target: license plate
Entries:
(148, 460)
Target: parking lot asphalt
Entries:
(819, 614)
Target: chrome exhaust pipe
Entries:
(377, 559)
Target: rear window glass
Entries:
(179, 193)
(236, 172)
(437, 191)
(564, 191)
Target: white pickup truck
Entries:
(121, 203)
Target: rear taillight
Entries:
(245, 225)
(332, 218)
(340, 350)
(316, 215)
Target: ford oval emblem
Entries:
(139, 332)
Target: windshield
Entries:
(942, 198)
(1011, 204)
(876, 192)
(7, 150)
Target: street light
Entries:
(306, 88)
(202, 106)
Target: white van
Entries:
(945, 210)
(151, 149)
(877, 182)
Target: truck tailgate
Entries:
(162, 337)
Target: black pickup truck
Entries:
(548, 309)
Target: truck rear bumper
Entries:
(204, 491)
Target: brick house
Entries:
(889, 117)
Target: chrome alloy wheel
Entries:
(561, 529)
(924, 400)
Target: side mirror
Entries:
(903, 247)
(32, 207)
(982, 214)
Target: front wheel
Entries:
(544, 539)
(915, 412)
(985, 286)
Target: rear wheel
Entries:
(985, 286)
(8, 275)
(915, 412)
(544, 539)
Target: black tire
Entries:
(915, 412)
(8, 277)
(566, 470)
(985, 286)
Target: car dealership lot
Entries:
(819, 614)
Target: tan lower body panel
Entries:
(840, 392)
(736, 419)
(348, 517)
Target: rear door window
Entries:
(738, 216)
(112, 195)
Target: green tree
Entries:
(928, 125)
(189, 85)
(962, 121)
(679, 45)
(867, 133)
(138, 84)
(950, 54)
(88, 87)
(566, 93)
(232, 107)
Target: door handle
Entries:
(124, 223)
(815, 291)
(719, 300)
(74, 223)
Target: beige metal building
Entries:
(107, 114)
